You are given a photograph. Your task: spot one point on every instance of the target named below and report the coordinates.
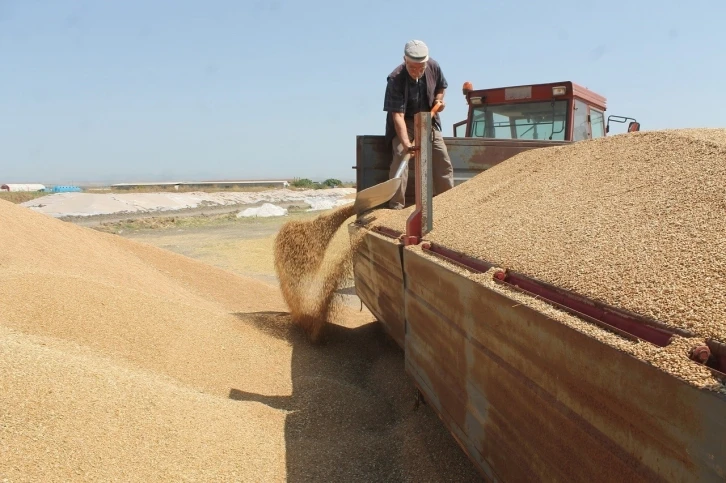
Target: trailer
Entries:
(526, 396)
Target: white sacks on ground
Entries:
(265, 210)
(319, 204)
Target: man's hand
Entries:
(440, 104)
(402, 131)
(406, 147)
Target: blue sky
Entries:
(160, 89)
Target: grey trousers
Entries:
(443, 172)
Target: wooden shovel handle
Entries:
(435, 109)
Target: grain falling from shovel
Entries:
(308, 279)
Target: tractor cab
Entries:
(560, 111)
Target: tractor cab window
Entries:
(532, 120)
(581, 130)
(597, 123)
(596, 127)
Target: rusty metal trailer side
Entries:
(379, 281)
(469, 157)
(529, 398)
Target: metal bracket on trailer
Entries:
(421, 220)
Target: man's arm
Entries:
(441, 85)
(395, 103)
(439, 97)
(400, 124)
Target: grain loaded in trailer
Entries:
(560, 309)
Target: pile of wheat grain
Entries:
(636, 221)
(125, 362)
(118, 359)
(308, 279)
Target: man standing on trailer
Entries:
(415, 86)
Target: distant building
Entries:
(22, 187)
(275, 183)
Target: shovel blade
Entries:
(376, 195)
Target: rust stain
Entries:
(568, 363)
(519, 429)
(460, 435)
(547, 437)
(441, 356)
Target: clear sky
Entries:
(118, 90)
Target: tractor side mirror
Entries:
(632, 127)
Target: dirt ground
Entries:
(94, 221)
(352, 389)
(240, 245)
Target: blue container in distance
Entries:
(65, 189)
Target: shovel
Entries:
(383, 192)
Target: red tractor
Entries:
(559, 111)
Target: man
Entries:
(415, 86)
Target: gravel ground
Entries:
(94, 204)
(634, 220)
(126, 362)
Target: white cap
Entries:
(416, 51)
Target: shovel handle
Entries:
(436, 108)
(402, 166)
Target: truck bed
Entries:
(527, 397)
